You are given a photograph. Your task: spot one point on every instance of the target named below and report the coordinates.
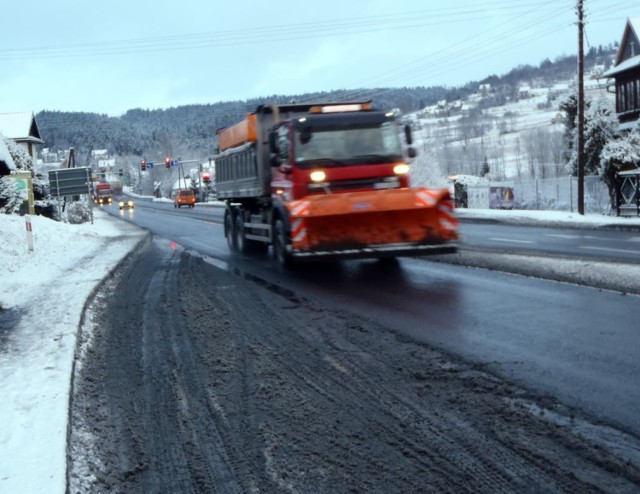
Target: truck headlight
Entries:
(401, 169)
(318, 176)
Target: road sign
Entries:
(70, 181)
(149, 164)
(22, 186)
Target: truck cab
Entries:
(328, 151)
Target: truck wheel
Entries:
(280, 241)
(230, 230)
(246, 245)
(241, 242)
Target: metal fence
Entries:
(554, 194)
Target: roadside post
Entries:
(27, 219)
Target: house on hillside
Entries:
(102, 159)
(21, 127)
(524, 91)
(626, 72)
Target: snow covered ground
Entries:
(42, 295)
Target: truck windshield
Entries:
(353, 146)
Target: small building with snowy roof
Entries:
(21, 128)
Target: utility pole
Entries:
(581, 157)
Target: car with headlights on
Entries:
(126, 204)
(184, 197)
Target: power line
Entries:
(339, 27)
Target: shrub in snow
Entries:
(21, 158)
(599, 129)
(426, 171)
(47, 208)
(619, 155)
(77, 212)
(10, 200)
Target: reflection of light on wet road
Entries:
(512, 240)
(216, 262)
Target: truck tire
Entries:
(247, 245)
(280, 242)
(241, 242)
(230, 229)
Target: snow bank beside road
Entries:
(547, 218)
(42, 295)
(624, 278)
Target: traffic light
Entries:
(143, 165)
(200, 167)
(120, 172)
(167, 162)
(206, 176)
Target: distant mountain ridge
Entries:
(189, 131)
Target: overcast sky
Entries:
(109, 57)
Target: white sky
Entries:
(48, 288)
(109, 57)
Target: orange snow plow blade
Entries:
(395, 222)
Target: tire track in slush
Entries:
(195, 459)
(234, 388)
(446, 444)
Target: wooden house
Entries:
(22, 128)
(626, 72)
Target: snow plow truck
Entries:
(327, 181)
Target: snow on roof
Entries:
(17, 125)
(5, 155)
(626, 65)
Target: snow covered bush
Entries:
(600, 126)
(619, 155)
(77, 212)
(10, 199)
(425, 169)
(21, 158)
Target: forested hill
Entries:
(190, 130)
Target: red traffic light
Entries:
(167, 162)
(143, 165)
(206, 176)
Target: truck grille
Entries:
(355, 184)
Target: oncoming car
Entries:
(126, 204)
(185, 197)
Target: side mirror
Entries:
(407, 135)
(273, 143)
(305, 135)
(411, 152)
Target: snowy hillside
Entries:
(519, 138)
